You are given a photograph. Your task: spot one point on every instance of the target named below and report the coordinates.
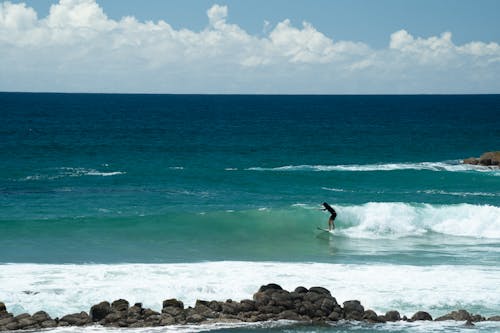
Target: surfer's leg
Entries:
(330, 223)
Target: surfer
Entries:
(331, 223)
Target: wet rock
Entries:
(282, 298)
(120, 305)
(353, 306)
(3, 308)
(459, 315)
(173, 303)
(421, 315)
(392, 316)
(491, 158)
(100, 311)
(12, 326)
(22, 316)
(77, 319)
(370, 316)
(26, 323)
(48, 323)
(301, 290)
(148, 313)
(494, 318)
(469, 323)
(41, 316)
(166, 319)
(320, 290)
(289, 315)
(112, 317)
(270, 286)
(7, 320)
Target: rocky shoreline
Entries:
(269, 303)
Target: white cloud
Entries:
(78, 48)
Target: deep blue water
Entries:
(106, 169)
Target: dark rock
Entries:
(353, 306)
(22, 316)
(77, 319)
(421, 315)
(247, 305)
(12, 326)
(100, 311)
(62, 323)
(282, 298)
(3, 308)
(6, 321)
(270, 309)
(491, 158)
(354, 315)
(230, 308)
(371, 316)
(494, 318)
(215, 306)
(25, 323)
(194, 318)
(120, 305)
(301, 290)
(41, 316)
(111, 318)
(477, 318)
(320, 290)
(469, 323)
(289, 315)
(392, 316)
(459, 315)
(173, 303)
(148, 313)
(334, 316)
(166, 319)
(270, 286)
(172, 310)
(48, 323)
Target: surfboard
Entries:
(325, 230)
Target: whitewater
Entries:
(150, 197)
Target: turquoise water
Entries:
(101, 182)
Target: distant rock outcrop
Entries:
(491, 158)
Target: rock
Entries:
(100, 311)
(41, 316)
(26, 323)
(282, 298)
(3, 308)
(477, 318)
(491, 158)
(301, 290)
(172, 310)
(6, 321)
(494, 318)
(370, 316)
(469, 323)
(247, 305)
(112, 317)
(320, 290)
(149, 313)
(334, 316)
(48, 323)
(215, 306)
(22, 316)
(353, 306)
(231, 308)
(289, 315)
(421, 315)
(194, 318)
(173, 303)
(12, 326)
(392, 316)
(166, 319)
(270, 286)
(120, 305)
(77, 319)
(459, 315)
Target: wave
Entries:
(62, 289)
(393, 220)
(451, 166)
(64, 172)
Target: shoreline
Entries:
(270, 303)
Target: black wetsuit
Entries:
(331, 210)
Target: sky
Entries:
(254, 47)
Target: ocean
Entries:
(149, 197)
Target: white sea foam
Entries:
(62, 289)
(452, 166)
(393, 220)
(58, 173)
(460, 194)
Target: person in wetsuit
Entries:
(331, 223)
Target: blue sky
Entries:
(258, 46)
